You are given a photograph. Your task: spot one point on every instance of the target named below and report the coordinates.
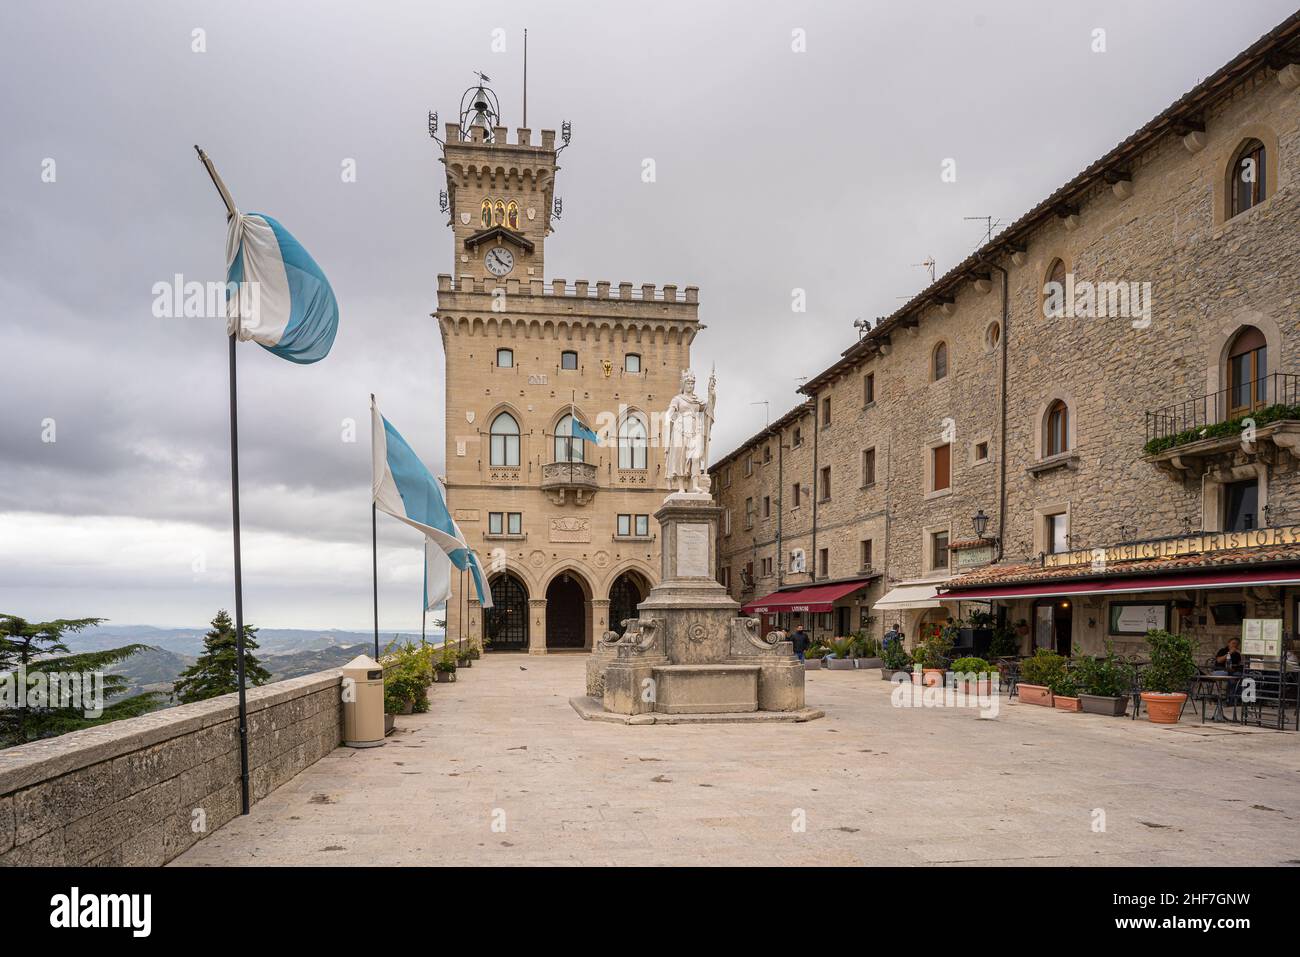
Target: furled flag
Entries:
(283, 301)
(406, 490)
(437, 576)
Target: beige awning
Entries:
(912, 595)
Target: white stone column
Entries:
(598, 614)
(537, 626)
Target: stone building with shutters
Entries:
(563, 526)
(1091, 425)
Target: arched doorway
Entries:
(627, 591)
(566, 612)
(506, 623)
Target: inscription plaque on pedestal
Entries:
(693, 550)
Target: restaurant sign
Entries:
(1173, 547)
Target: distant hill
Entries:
(285, 652)
(189, 641)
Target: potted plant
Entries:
(1173, 663)
(1065, 691)
(1036, 676)
(841, 654)
(1004, 643)
(973, 675)
(812, 658)
(895, 659)
(866, 651)
(1105, 683)
(445, 666)
(932, 654)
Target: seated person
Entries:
(1228, 660)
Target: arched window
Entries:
(568, 448)
(939, 362)
(632, 443)
(485, 216)
(1056, 430)
(1054, 290)
(1248, 186)
(993, 335)
(505, 440)
(1247, 372)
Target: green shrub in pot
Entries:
(1042, 668)
(1173, 662)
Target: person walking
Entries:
(800, 641)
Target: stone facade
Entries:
(560, 539)
(140, 791)
(1156, 210)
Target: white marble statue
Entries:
(687, 424)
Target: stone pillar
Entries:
(537, 626)
(598, 614)
(473, 623)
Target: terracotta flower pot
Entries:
(980, 686)
(1035, 694)
(1164, 708)
(1066, 704)
(933, 677)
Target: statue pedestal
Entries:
(689, 652)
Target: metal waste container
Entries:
(363, 703)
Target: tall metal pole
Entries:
(234, 508)
(525, 78)
(374, 543)
(239, 584)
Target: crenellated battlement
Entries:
(579, 289)
(500, 138)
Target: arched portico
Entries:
(505, 624)
(626, 591)
(568, 612)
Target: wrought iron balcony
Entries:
(1251, 415)
(561, 479)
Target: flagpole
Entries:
(234, 508)
(374, 542)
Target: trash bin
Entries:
(363, 703)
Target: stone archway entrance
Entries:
(627, 591)
(506, 623)
(566, 613)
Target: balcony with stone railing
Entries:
(562, 479)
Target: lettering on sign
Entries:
(537, 379)
(466, 515)
(1186, 545)
(693, 550)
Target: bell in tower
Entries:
(479, 112)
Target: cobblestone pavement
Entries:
(503, 771)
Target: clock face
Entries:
(499, 261)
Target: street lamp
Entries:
(981, 522)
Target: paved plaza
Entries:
(503, 771)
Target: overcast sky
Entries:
(775, 169)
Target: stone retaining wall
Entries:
(142, 790)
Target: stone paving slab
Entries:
(502, 771)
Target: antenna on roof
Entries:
(767, 412)
(928, 263)
(989, 225)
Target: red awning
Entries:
(1131, 584)
(813, 598)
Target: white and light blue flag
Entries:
(283, 301)
(437, 576)
(405, 489)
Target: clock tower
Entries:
(535, 366)
(499, 194)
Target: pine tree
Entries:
(37, 648)
(216, 671)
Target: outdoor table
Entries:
(1221, 684)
